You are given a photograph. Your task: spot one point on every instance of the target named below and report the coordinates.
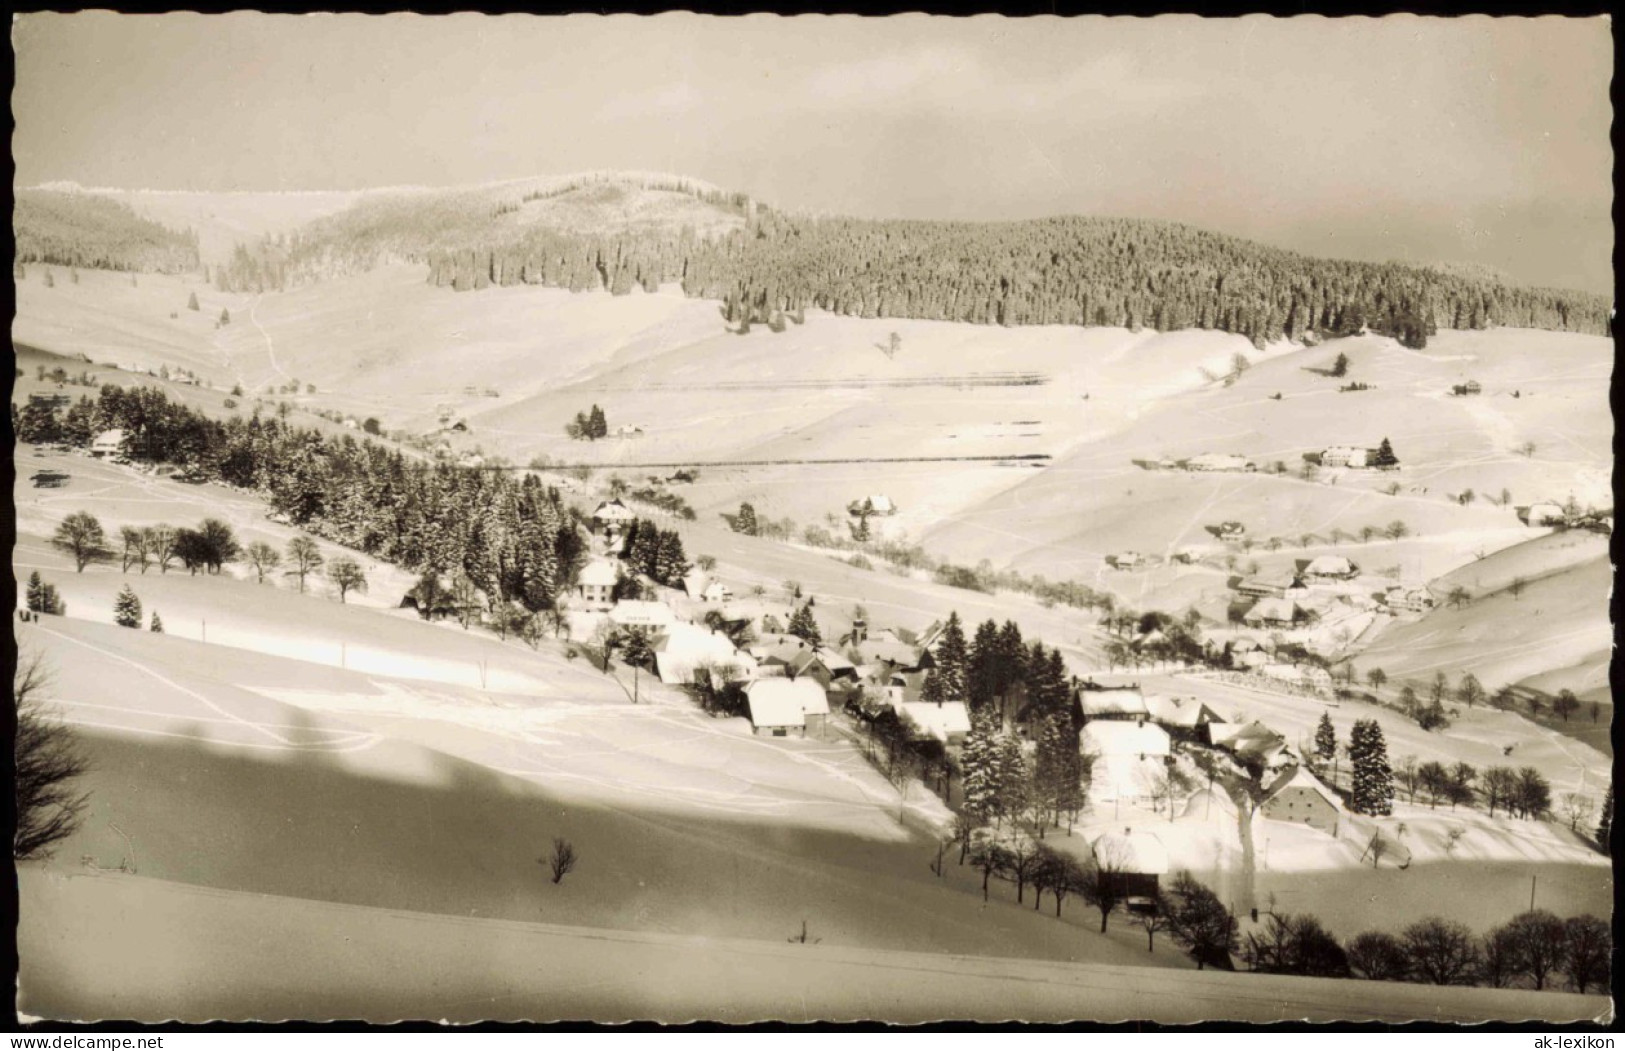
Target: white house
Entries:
(108, 443)
(1272, 612)
(596, 584)
(1306, 675)
(1408, 599)
(630, 613)
(1128, 560)
(778, 705)
(1130, 757)
(879, 504)
(1344, 456)
(948, 722)
(1136, 860)
(1221, 462)
(1181, 713)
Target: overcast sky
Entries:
(1475, 140)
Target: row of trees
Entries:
(1532, 948)
(510, 534)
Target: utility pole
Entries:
(1532, 880)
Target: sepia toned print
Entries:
(812, 519)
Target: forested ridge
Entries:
(764, 266)
(66, 228)
(510, 535)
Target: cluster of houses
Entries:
(1559, 516)
(1354, 456)
(1207, 462)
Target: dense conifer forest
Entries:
(510, 535)
(97, 233)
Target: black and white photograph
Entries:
(820, 519)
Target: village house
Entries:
(596, 585)
(1298, 796)
(1129, 759)
(1126, 560)
(779, 705)
(1272, 586)
(1408, 599)
(611, 518)
(948, 722)
(1135, 860)
(50, 400)
(1309, 676)
(1231, 530)
(1464, 389)
(626, 430)
(1121, 702)
(685, 648)
(877, 504)
(108, 443)
(1183, 715)
(1345, 456)
(1331, 567)
(637, 613)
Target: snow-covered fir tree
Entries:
(156, 625)
(803, 626)
(1373, 778)
(127, 609)
(952, 659)
(1325, 737)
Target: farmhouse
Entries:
(1463, 389)
(779, 705)
(1299, 797)
(1134, 860)
(1130, 759)
(596, 584)
(50, 400)
(107, 443)
(1127, 560)
(1231, 530)
(1544, 514)
(1273, 613)
(1307, 675)
(877, 504)
(626, 430)
(1331, 567)
(1220, 462)
(1345, 456)
(1274, 586)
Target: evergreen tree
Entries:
(157, 624)
(745, 520)
(127, 609)
(36, 593)
(1385, 455)
(803, 626)
(1014, 777)
(1373, 779)
(191, 302)
(981, 676)
(1325, 737)
(1056, 771)
(978, 762)
(597, 426)
(225, 316)
(952, 659)
(671, 562)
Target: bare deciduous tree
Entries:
(49, 807)
(562, 861)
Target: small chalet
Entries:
(877, 504)
(1274, 586)
(1231, 530)
(1299, 797)
(1136, 860)
(611, 518)
(779, 705)
(108, 443)
(1331, 567)
(1345, 456)
(596, 584)
(1127, 560)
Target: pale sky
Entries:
(1472, 140)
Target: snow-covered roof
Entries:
(888, 651)
(641, 613)
(112, 437)
(1271, 610)
(613, 510)
(939, 720)
(834, 661)
(1132, 850)
(785, 702)
(1177, 711)
(695, 582)
(1330, 566)
(1111, 702)
(1300, 777)
(597, 573)
(1104, 737)
(1209, 804)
